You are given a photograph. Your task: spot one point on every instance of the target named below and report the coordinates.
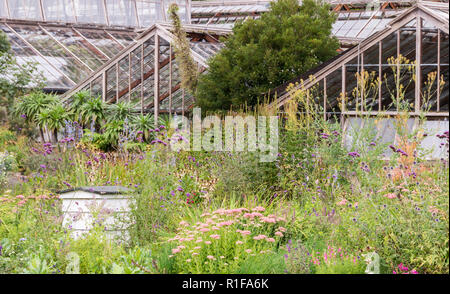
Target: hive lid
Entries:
(102, 190)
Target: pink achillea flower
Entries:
(175, 250)
(248, 250)
(279, 234)
(245, 233)
(20, 197)
(217, 237)
(390, 195)
(204, 230)
(342, 202)
(258, 208)
(211, 257)
(239, 242)
(183, 223)
(207, 242)
(270, 240)
(259, 237)
(226, 223)
(281, 229)
(271, 220)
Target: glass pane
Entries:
(429, 45)
(90, 11)
(408, 42)
(96, 87)
(25, 9)
(389, 48)
(443, 100)
(3, 9)
(102, 43)
(123, 71)
(58, 10)
(111, 89)
(334, 89)
(48, 47)
(121, 12)
(429, 83)
(78, 46)
(148, 12)
(25, 54)
(124, 38)
(444, 73)
(351, 84)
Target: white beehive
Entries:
(103, 206)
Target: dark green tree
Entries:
(262, 54)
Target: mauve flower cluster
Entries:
(398, 150)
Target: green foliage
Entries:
(4, 44)
(53, 118)
(38, 265)
(120, 111)
(6, 138)
(15, 80)
(95, 252)
(272, 263)
(93, 111)
(329, 192)
(143, 123)
(265, 53)
(341, 267)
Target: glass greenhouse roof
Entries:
(65, 55)
(129, 13)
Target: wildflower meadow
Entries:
(321, 206)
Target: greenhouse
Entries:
(280, 139)
(92, 45)
(419, 35)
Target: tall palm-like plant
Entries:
(76, 104)
(58, 117)
(143, 123)
(112, 131)
(164, 120)
(93, 111)
(120, 111)
(32, 105)
(42, 121)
